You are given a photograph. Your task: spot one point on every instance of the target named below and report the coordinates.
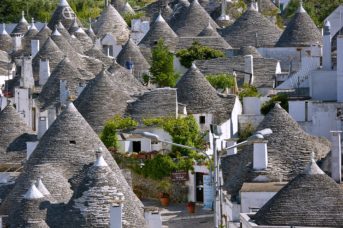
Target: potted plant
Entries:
(164, 188)
(191, 207)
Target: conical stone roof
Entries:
(49, 51)
(14, 135)
(249, 50)
(301, 31)
(110, 22)
(61, 155)
(43, 35)
(29, 35)
(209, 31)
(22, 27)
(131, 52)
(95, 52)
(101, 100)
(75, 43)
(125, 79)
(311, 199)
(196, 92)
(160, 30)
(154, 9)
(64, 14)
(6, 43)
(251, 29)
(85, 40)
(122, 6)
(65, 70)
(91, 33)
(92, 200)
(289, 150)
(192, 21)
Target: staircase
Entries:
(300, 78)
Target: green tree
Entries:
(268, 105)
(109, 134)
(221, 81)
(248, 91)
(197, 52)
(162, 67)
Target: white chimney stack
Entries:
(116, 216)
(42, 126)
(336, 156)
(26, 79)
(339, 69)
(260, 155)
(327, 63)
(34, 47)
(44, 71)
(249, 69)
(17, 37)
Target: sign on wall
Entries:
(208, 192)
(179, 176)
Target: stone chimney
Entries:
(339, 68)
(42, 126)
(336, 156)
(17, 37)
(327, 64)
(249, 69)
(26, 79)
(34, 47)
(116, 216)
(64, 92)
(44, 71)
(260, 155)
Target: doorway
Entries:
(136, 146)
(199, 183)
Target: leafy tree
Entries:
(197, 52)
(109, 134)
(248, 91)
(182, 130)
(162, 67)
(221, 81)
(268, 105)
(158, 167)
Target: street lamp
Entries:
(214, 130)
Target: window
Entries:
(72, 142)
(202, 119)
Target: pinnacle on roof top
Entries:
(23, 17)
(312, 167)
(33, 26)
(160, 18)
(63, 3)
(193, 66)
(41, 187)
(252, 7)
(56, 32)
(327, 23)
(301, 8)
(80, 30)
(3, 32)
(100, 162)
(33, 193)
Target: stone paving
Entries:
(177, 216)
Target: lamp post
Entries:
(216, 132)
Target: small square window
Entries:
(202, 119)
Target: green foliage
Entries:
(268, 105)
(159, 167)
(221, 81)
(317, 9)
(197, 52)
(128, 17)
(109, 135)
(248, 91)
(246, 132)
(41, 10)
(184, 131)
(136, 4)
(162, 67)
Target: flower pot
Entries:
(164, 201)
(191, 207)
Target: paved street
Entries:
(177, 216)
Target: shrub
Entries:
(268, 105)
(221, 81)
(248, 91)
(197, 52)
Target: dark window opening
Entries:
(202, 119)
(136, 146)
(72, 142)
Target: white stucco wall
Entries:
(252, 105)
(323, 85)
(253, 200)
